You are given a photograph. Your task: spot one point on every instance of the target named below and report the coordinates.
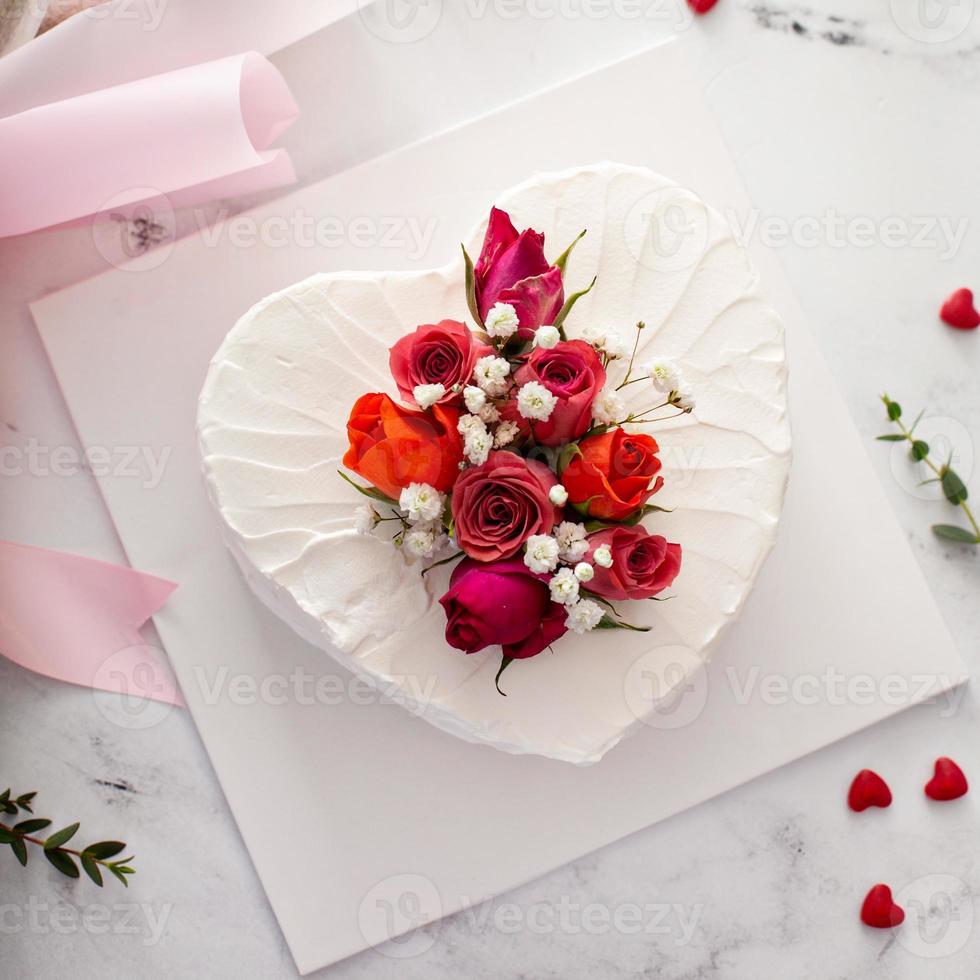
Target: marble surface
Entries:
(852, 126)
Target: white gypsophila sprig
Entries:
(489, 414)
(541, 553)
(583, 616)
(571, 541)
(427, 395)
(564, 586)
(366, 518)
(468, 422)
(534, 401)
(421, 502)
(602, 556)
(584, 572)
(505, 433)
(665, 375)
(477, 444)
(558, 495)
(490, 374)
(546, 337)
(683, 400)
(501, 321)
(608, 342)
(424, 540)
(608, 407)
(475, 398)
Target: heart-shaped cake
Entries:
(276, 427)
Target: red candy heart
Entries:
(948, 783)
(879, 911)
(868, 789)
(958, 311)
(701, 6)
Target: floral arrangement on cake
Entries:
(517, 458)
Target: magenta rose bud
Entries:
(512, 269)
(436, 353)
(501, 603)
(497, 506)
(573, 372)
(643, 564)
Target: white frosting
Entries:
(272, 430)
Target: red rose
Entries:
(643, 563)
(391, 446)
(503, 603)
(436, 353)
(609, 479)
(497, 506)
(512, 269)
(573, 372)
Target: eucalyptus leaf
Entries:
(91, 868)
(63, 862)
(919, 450)
(953, 533)
(105, 849)
(891, 437)
(61, 837)
(954, 488)
(118, 874)
(20, 849)
(30, 826)
(894, 411)
(6, 837)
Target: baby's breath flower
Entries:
(475, 398)
(564, 586)
(501, 321)
(584, 571)
(571, 541)
(607, 341)
(477, 444)
(365, 519)
(505, 434)
(664, 375)
(468, 422)
(534, 401)
(423, 540)
(541, 553)
(558, 495)
(682, 400)
(608, 407)
(427, 395)
(490, 414)
(546, 337)
(602, 556)
(421, 502)
(490, 373)
(583, 616)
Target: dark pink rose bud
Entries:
(501, 603)
(643, 564)
(512, 269)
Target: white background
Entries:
(850, 116)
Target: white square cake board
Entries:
(383, 804)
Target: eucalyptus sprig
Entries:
(953, 487)
(93, 859)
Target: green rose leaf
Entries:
(953, 533)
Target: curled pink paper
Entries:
(158, 136)
(77, 620)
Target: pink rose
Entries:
(436, 353)
(497, 506)
(643, 563)
(501, 603)
(573, 372)
(512, 269)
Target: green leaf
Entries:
(953, 487)
(919, 450)
(63, 862)
(608, 623)
(9, 807)
(505, 662)
(4, 796)
(105, 849)
(894, 411)
(118, 874)
(91, 868)
(563, 258)
(918, 419)
(6, 837)
(566, 455)
(61, 837)
(953, 533)
(368, 491)
(20, 849)
(471, 288)
(24, 802)
(30, 826)
(569, 303)
(891, 437)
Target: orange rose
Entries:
(391, 446)
(609, 478)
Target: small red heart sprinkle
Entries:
(948, 782)
(701, 6)
(958, 311)
(879, 911)
(868, 789)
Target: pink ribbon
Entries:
(77, 620)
